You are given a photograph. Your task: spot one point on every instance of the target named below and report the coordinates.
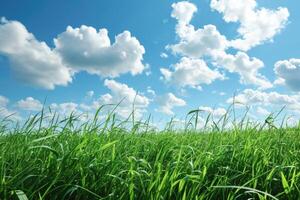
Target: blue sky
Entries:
(174, 56)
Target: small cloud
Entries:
(288, 73)
(126, 97)
(164, 55)
(65, 108)
(217, 112)
(90, 94)
(150, 91)
(167, 102)
(30, 104)
(3, 101)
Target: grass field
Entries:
(105, 161)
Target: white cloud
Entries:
(90, 94)
(210, 43)
(120, 91)
(257, 25)
(3, 101)
(32, 61)
(217, 112)
(151, 91)
(164, 55)
(30, 104)
(288, 72)
(76, 49)
(168, 102)
(272, 99)
(191, 72)
(65, 108)
(90, 50)
(198, 43)
(194, 42)
(5, 111)
(245, 66)
(183, 11)
(126, 96)
(262, 111)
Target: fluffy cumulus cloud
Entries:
(208, 43)
(288, 73)
(190, 72)
(194, 42)
(198, 43)
(183, 11)
(76, 49)
(167, 102)
(32, 61)
(271, 99)
(126, 97)
(257, 25)
(30, 104)
(90, 50)
(245, 66)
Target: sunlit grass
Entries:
(111, 159)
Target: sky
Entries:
(164, 57)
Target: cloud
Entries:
(183, 11)
(272, 99)
(164, 55)
(245, 66)
(86, 49)
(288, 73)
(168, 102)
(32, 61)
(190, 72)
(126, 96)
(151, 91)
(208, 43)
(3, 101)
(217, 112)
(30, 104)
(122, 95)
(257, 25)
(262, 111)
(90, 94)
(65, 108)
(198, 43)
(193, 42)
(5, 112)
(76, 49)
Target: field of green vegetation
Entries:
(105, 160)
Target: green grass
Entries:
(104, 160)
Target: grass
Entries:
(107, 160)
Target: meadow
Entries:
(129, 159)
